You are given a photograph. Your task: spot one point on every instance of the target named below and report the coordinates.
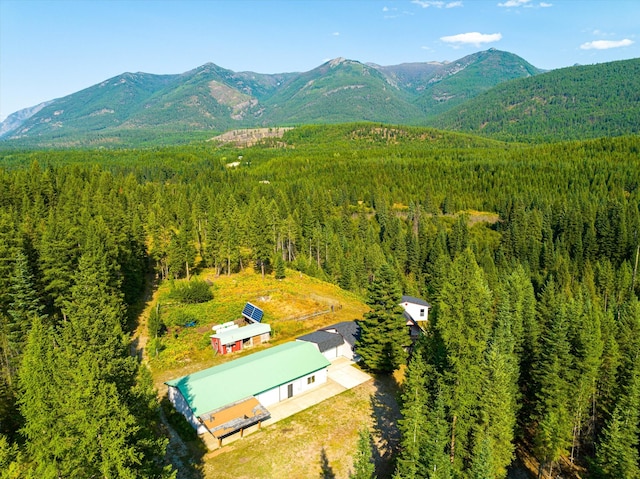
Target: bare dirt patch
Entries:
(250, 136)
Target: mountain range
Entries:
(212, 98)
(134, 108)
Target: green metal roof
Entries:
(227, 336)
(220, 385)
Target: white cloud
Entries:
(513, 3)
(336, 34)
(606, 44)
(472, 38)
(428, 3)
(524, 3)
(437, 3)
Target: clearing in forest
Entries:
(319, 440)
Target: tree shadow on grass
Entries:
(185, 451)
(385, 413)
(326, 471)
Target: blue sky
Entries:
(49, 49)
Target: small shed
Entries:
(350, 332)
(231, 339)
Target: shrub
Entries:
(192, 292)
(181, 318)
(154, 347)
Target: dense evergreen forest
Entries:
(528, 254)
(579, 102)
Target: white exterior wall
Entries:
(180, 404)
(331, 354)
(345, 350)
(414, 311)
(269, 397)
(300, 385)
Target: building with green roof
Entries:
(270, 376)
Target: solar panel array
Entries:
(252, 313)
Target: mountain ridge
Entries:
(491, 93)
(213, 98)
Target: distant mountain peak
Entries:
(212, 98)
(338, 61)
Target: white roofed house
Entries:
(416, 312)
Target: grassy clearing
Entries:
(284, 302)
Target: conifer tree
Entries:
(181, 252)
(459, 236)
(39, 399)
(280, 272)
(11, 460)
(463, 322)
(363, 466)
(499, 406)
(23, 307)
(586, 340)
(261, 239)
(554, 428)
(436, 459)
(516, 307)
(413, 425)
(482, 464)
(9, 245)
(617, 453)
(383, 331)
(437, 265)
(96, 315)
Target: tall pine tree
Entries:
(413, 425)
(463, 322)
(383, 332)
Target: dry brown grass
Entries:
(318, 442)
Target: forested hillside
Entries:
(470, 76)
(528, 254)
(570, 103)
